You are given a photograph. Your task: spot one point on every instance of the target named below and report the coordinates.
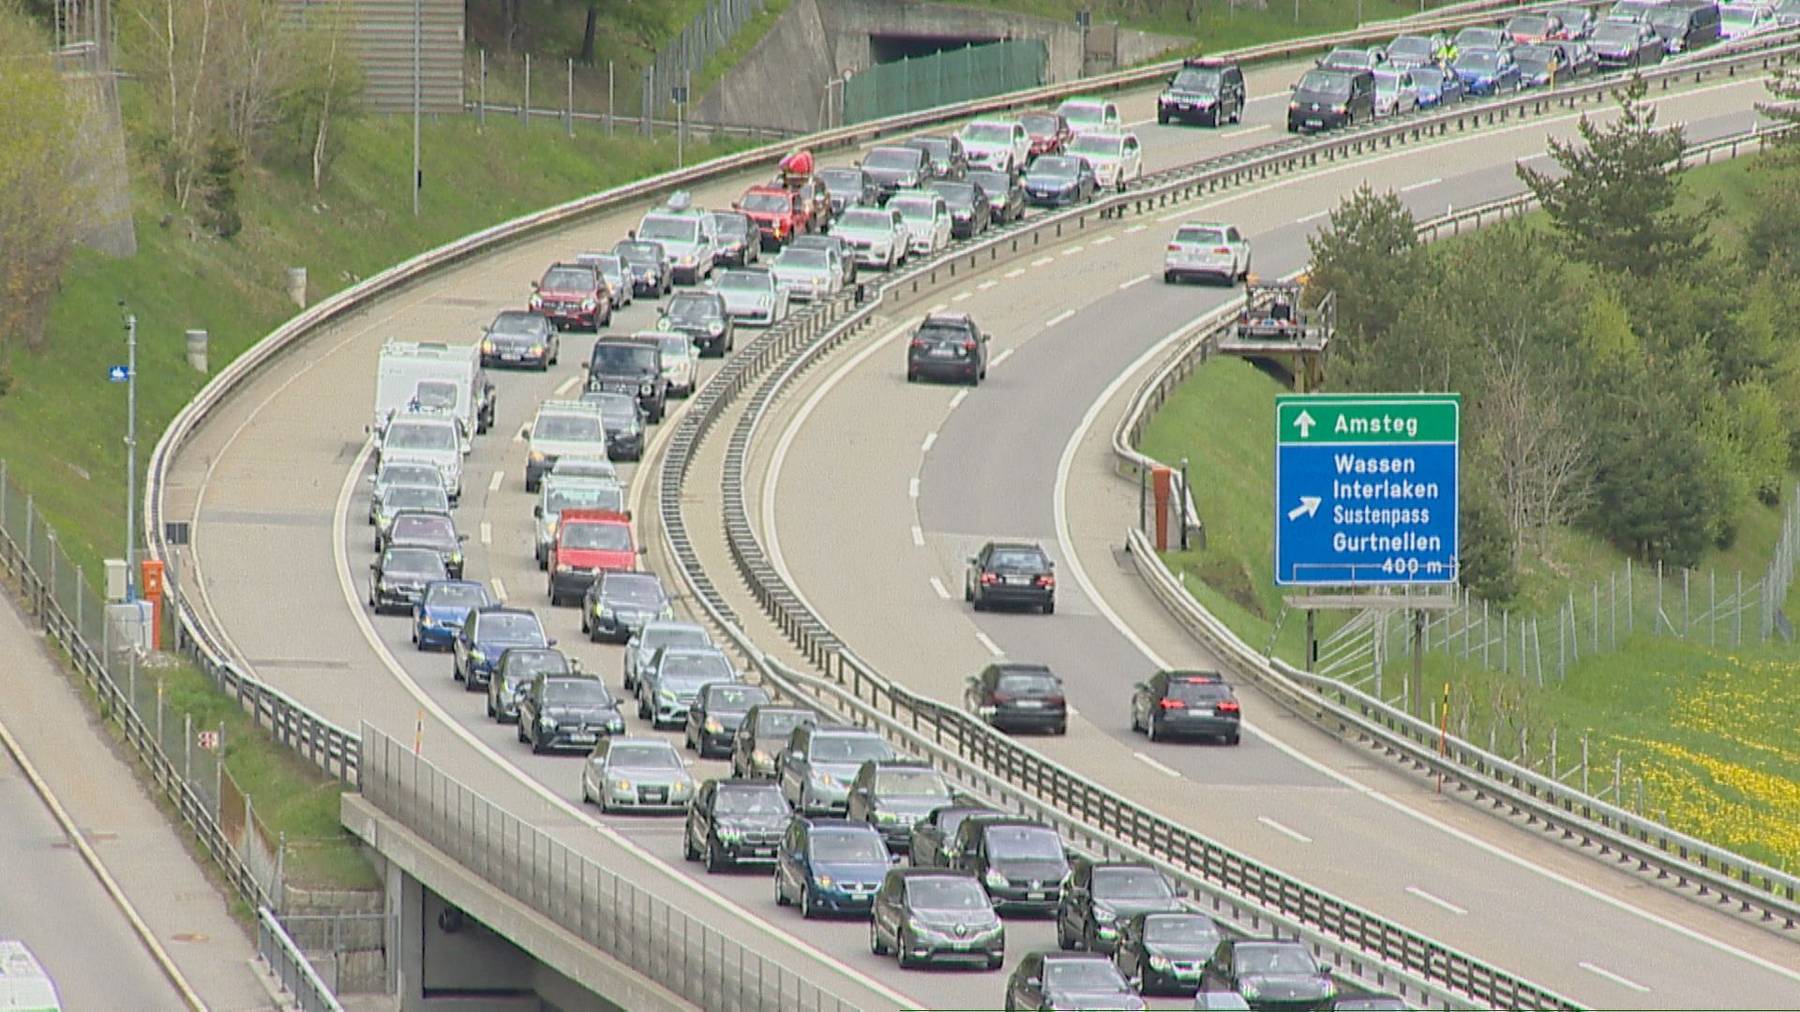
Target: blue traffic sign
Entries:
(1366, 489)
(118, 373)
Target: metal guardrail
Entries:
(299, 983)
(631, 923)
(1675, 857)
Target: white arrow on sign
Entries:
(1304, 422)
(1309, 504)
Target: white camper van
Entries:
(433, 378)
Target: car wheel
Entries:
(470, 686)
(537, 744)
(907, 962)
(781, 899)
(490, 707)
(977, 603)
(1231, 739)
(1050, 606)
(689, 852)
(1060, 729)
(523, 739)
(1064, 939)
(1213, 119)
(1162, 118)
(1150, 728)
(968, 591)
(377, 544)
(643, 711)
(995, 962)
(1168, 277)
(806, 902)
(715, 860)
(1137, 727)
(875, 945)
(912, 376)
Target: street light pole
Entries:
(130, 455)
(418, 89)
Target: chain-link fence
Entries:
(679, 62)
(945, 78)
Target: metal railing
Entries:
(629, 922)
(289, 966)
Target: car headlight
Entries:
(604, 611)
(563, 567)
(426, 621)
(616, 725)
(1248, 989)
(477, 656)
(538, 349)
(487, 347)
(681, 787)
(667, 613)
(547, 722)
(456, 558)
(824, 881)
(646, 389)
(887, 817)
(824, 778)
(715, 328)
(729, 834)
(666, 695)
(994, 879)
(622, 785)
(536, 302)
(712, 726)
(590, 304)
(537, 456)
(1161, 963)
(761, 757)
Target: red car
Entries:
(573, 297)
(587, 543)
(779, 213)
(1049, 133)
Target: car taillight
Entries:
(1046, 581)
(918, 343)
(997, 698)
(968, 346)
(1053, 700)
(1171, 704)
(1229, 706)
(1222, 250)
(990, 578)
(1174, 247)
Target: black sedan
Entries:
(1005, 194)
(740, 244)
(1016, 574)
(1055, 180)
(1194, 704)
(652, 273)
(397, 577)
(847, 187)
(733, 822)
(563, 711)
(519, 339)
(970, 211)
(1164, 953)
(717, 713)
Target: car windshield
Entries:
(565, 279)
(744, 281)
(893, 158)
(947, 892)
(805, 259)
(1528, 24)
(624, 358)
(597, 468)
(603, 537)
(509, 627)
(994, 183)
(1196, 79)
(610, 264)
(773, 723)
(1387, 84)
(567, 427)
(848, 846)
(1055, 168)
(750, 801)
(576, 691)
(911, 784)
(847, 180)
(1039, 123)
(1131, 883)
(1029, 560)
(409, 474)
(956, 194)
(419, 436)
(639, 252)
(1316, 82)
(1082, 112)
(456, 595)
(695, 666)
(1099, 145)
(988, 133)
(1345, 57)
(938, 146)
(674, 636)
(667, 229)
(521, 665)
(1191, 930)
(767, 203)
(858, 748)
(692, 307)
(1410, 45)
(730, 222)
(1739, 15)
(1427, 77)
(1617, 32)
(423, 527)
(734, 698)
(1274, 959)
(643, 757)
(1042, 684)
(415, 497)
(1198, 692)
(412, 562)
(1490, 38)
(866, 218)
(521, 324)
(1193, 235)
(1016, 843)
(1479, 60)
(1536, 56)
(1082, 975)
(674, 346)
(632, 589)
(435, 395)
(914, 209)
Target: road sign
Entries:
(118, 373)
(1366, 489)
(209, 740)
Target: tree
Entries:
(1369, 254)
(323, 86)
(171, 48)
(1617, 203)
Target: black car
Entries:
(1622, 44)
(946, 153)
(1022, 863)
(622, 416)
(419, 529)
(1018, 696)
(1005, 193)
(1164, 953)
(756, 747)
(894, 794)
(621, 365)
(894, 168)
(560, 711)
(927, 914)
(518, 338)
(1686, 25)
(932, 843)
(1057, 980)
(717, 713)
(1103, 894)
(832, 243)
(513, 674)
(846, 187)
(1203, 91)
(739, 240)
(397, 577)
(1326, 99)
(652, 272)
(1011, 573)
(733, 822)
(1057, 180)
(970, 211)
(1197, 704)
(701, 316)
(617, 605)
(948, 346)
(1269, 974)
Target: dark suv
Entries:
(1018, 696)
(1011, 573)
(1326, 99)
(1101, 896)
(756, 747)
(734, 821)
(933, 837)
(926, 914)
(1203, 91)
(948, 345)
(945, 153)
(892, 795)
(702, 317)
(1021, 862)
(630, 367)
(716, 714)
(1195, 703)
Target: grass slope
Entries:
(1219, 26)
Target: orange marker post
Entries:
(151, 579)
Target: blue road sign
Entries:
(1366, 489)
(118, 373)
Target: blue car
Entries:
(830, 866)
(443, 609)
(485, 635)
(1437, 87)
(1487, 71)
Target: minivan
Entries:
(1325, 99)
(1685, 25)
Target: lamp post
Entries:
(418, 95)
(130, 455)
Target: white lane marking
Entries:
(499, 589)
(930, 438)
(1421, 184)
(1140, 279)
(567, 385)
(1003, 356)
(1615, 978)
(1176, 215)
(519, 436)
(1058, 318)
(1136, 228)
(1015, 272)
(487, 533)
(1436, 901)
(494, 482)
(1315, 216)
(912, 488)
(1283, 830)
(959, 296)
(938, 585)
(1072, 250)
(940, 307)
(1103, 240)
(1141, 122)
(955, 402)
(992, 647)
(985, 285)
(1041, 261)
(1241, 131)
(1158, 767)
(918, 536)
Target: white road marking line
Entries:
(499, 589)
(961, 395)
(1103, 240)
(1072, 250)
(1420, 185)
(985, 285)
(568, 385)
(912, 488)
(1058, 318)
(1158, 767)
(1135, 229)
(1615, 978)
(1041, 261)
(1283, 830)
(1072, 711)
(487, 533)
(1177, 215)
(1141, 122)
(1003, 356)
(930, 438)
(1315, 216)
(1015, 272)
(940, 307)
(1241, 131)
(992, 647)
(918, 536)
(938, 585)
(1437, 901)
(959, 296)
(494, 482)
(1140, 279)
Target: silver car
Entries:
(1395, 92)
(636, 774)
(641, 648)
(807, 274)
(752, 297)
(674, 677)
(400, 472)
(876, 236)
(820, 763)
(680, 361)
(434, 439)
(613, 269)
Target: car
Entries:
(1540, 63)
(848, 186)
(892, 168)
(702, 317)
(485, 635)
(1011, 573)
(1626, 45)
(566, 711)
(1069, 980)
(1352, 58)
(1207, 249)
(1490, 71)
(740, 240)
(1198, 704)
(1209, 92)
(716, 714)
(1270, 974)
(637, 774)
(1395, 92)
(948, 345)
(519, 339)
(401, 472)
(1481, 37)
(735, 822)
(1327, 99)
(1090, 115)
(1164, 952)
(1578, 59)
(892, 795)
(622, 416)
(1005, 193)
(930, 843)
(808, 275)
(945, 154)
(837, 246)
(1575, 22)
(876, 236)
(1101, 895)
(1738, 20)
(999, 144)
(615, 273)
(653, 636)
(668, 686)
(761, 735)
(587, 544)
(1047, 131)
(623, 365)
(1407, 52)
(619, 604)
(1021, 863)
(410, 499)
(779, 213)
(680, 360)
(399, 575)
(652, 273)
(1631, 10)
(1787, 13)
(1532, 27)
(686, 235)
(970, 211)
(924, 915)
(441, 610)
(926, 217)
(1018, 696)
(513, 674)
(1059, 180)
(436, 531)
(425, 438)
(829, 866)
(1117, 158)
(562, 428)
(1437, 87)
(571, 296)
(1368, 1003)
(751, 296)
(820, 761)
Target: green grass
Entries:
(721, 62)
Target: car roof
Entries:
(503, 609)
(843, 729)
(900, 762)
(909, 873)
(1055, 955)
(835, 824)
(948, 317)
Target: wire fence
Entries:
(684, 58)
(943, 78)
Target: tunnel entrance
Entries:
(886, 48)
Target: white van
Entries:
(433, 378)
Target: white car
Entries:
(998, 144)
(1117, 159)
(751, 296)
(1207, 249)
(876, 236)
(680, 361)
(689, 237)
(613, 269)
(927, 220)
(807, 274)
(1395, 92)
(1737, 20)
(1090, 115)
